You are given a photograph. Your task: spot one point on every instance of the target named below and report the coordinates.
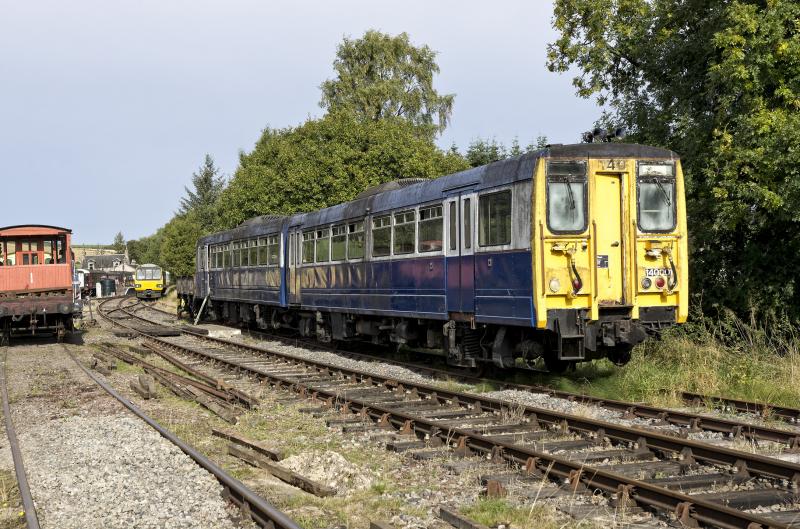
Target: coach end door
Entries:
(609, 238)
(460, 253)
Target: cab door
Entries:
(460, 253)
(607, 227)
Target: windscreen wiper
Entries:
(667, 200)
(571, 196)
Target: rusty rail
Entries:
(688, 509)
(251, 504)
(691, 508)
(691, 420)
(28, 507)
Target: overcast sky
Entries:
(106, 108)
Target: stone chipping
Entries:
(332, 469)
(90, 464)
(116, 471)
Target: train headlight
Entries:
(138, 285)
(555, 285)
(660, 282)
(159, 285)
(647, 283)
(64, 308)
(77, 306)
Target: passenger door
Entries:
(204, 274)
(295, 240)
(460, 253)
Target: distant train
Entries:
(149, 281)
(570, 253)
(37, 281)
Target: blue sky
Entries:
(106, 108)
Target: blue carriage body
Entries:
(493, 283)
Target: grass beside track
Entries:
(733, 360)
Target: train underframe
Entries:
(570, 336)
(22, 317)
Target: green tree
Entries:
(178, 243)
(147, 249)
(328, 161)
(480, 152)
(119, 242)
(208, 185)
(718, 82)
(382, 76)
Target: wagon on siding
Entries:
(37, 281)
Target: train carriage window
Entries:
(262, 251)
(430, 229)
(253, 250)
(468, 223)
(382, 236)
(404, 232)
(566, 197)
(338, 243)
(11, 252)
(308, 247)
(237, 255)
(323, 246)
(355, 240)
(243, 248)
(49, 257)
(453, 226)
(494, 218)
(243, 259)
(656, 185)
(274, 250)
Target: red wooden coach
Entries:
(36, 281)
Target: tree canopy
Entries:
(119, 242)
(208, 185)
(482, 152)
(718, 82)
(382, 76)
(328, 161)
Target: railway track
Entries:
(692, 482)
(687, 421)
(251, 504)
(691, 421)
(28, 507)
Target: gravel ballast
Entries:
(90, 463)
(116, 471)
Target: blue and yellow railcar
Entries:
(570, 253)
(149, 282)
